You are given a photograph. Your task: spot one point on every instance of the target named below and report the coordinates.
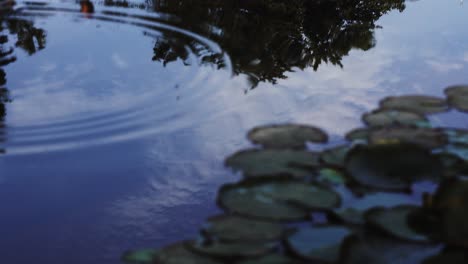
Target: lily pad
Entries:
(449, 256)
(392, 167)
(386, 118)
(231, 228)
(457, 136)
(272, 259)
(140, 256)
(424, 137)
(233, 250)
(415, 103)
(286, 136)
(394, 221)
(331, 176)
(369, 248)
(321, 244)
(354, 212)
(451, 201)
(276, 200)
(457, 97)
(335, 156)
(259, 163)
(358, 134)
(174, 254)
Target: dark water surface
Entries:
(116, 123)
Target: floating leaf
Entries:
(140, 256)
(232, 250)
(358, 134)
(286, 136)
(332, 176)
(335, 156)
(394, 221)
(354, 212)
(231, 228)
(321, 244)
(374, 249)
(457, 136)
(385, 118)
(424, 137)
(276, 200)
(449, 256)
(258, 163)
(179, 254)
(457, 97)
(415, 103)
(451, 201)
(392, 167)
(272, 259)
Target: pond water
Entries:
(118, 115)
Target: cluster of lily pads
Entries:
(396, 192)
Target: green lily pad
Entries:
(394, 221)
(451, 201)
(424, 137)
(259, 163)
(272, 259)
(174, 254)
(331, 176)
(358, 134)
(457, 97)
(231, 228)
(415, 103)
(392, 167)
(456, 136)
(286, 136)
(449, 256)
(335, 156)
(359, 249)
(276, 200)
(233, 250)
(354, 213)
(140, 256)
(385, 118)
(321, 244)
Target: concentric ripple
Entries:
(116, 76)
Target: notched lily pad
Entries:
(232, 228)
(358, 134)
(359, 249)
(331, 176)
(386, 118)
(179, 254)
(233, 250)
(354, 212)
(394, 221)
(140, 256)
(415, 103)
(424, 137)
(392, 167)
(321, 244)
(335, 157)
(457, 97)
(276, 200)
(258, 163)
(286, 136)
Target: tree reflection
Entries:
(267, 38)
(28, 38)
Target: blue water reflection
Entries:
(107, 149)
